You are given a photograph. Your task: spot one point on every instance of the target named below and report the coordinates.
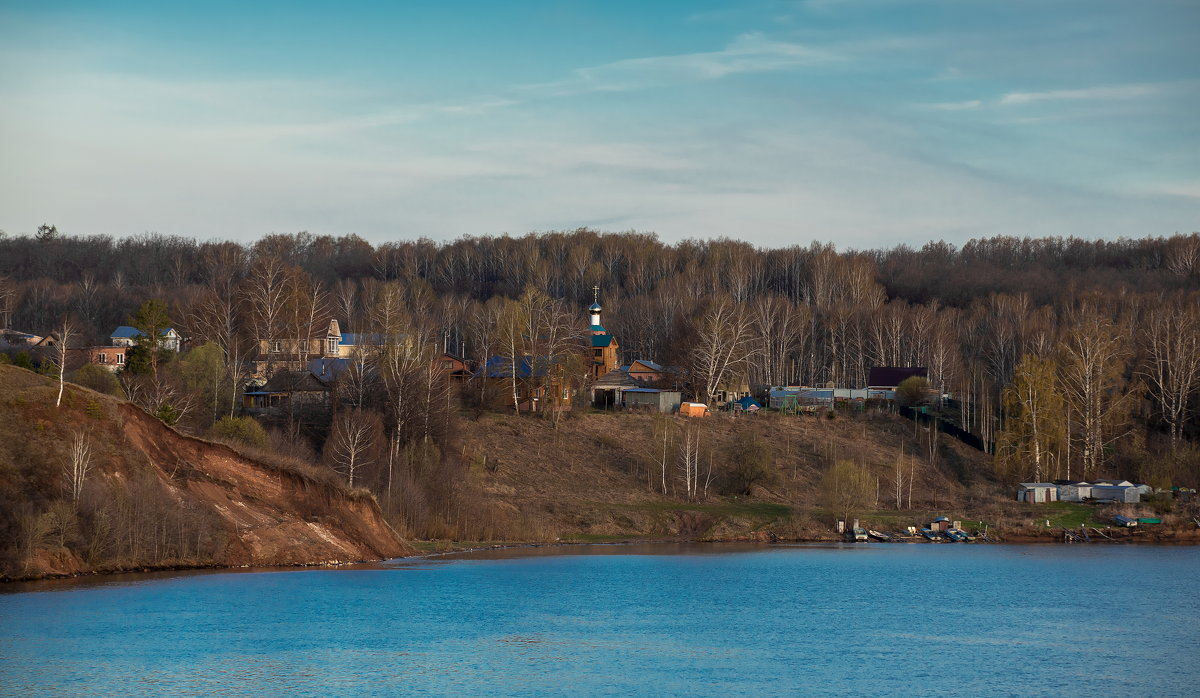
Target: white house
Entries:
(126, 336)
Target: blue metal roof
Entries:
(127, 332)
(527, 366)
(595, 306)
(370, 339)
(650, 365)
(598, 328)
(601, 340)
(641, 390)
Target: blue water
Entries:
(651, 620)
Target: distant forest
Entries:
(1073, 356)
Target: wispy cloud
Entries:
(1113, 92)
(956, 106)
(748, 53)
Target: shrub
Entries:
(243, 430)
(99, 379)
(750, 463)
(912, 391)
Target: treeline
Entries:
(1112, 323)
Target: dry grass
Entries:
(597, 475)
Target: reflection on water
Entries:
(640, 619)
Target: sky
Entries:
(866, 123)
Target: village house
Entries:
(294, 354)
(12, 339)
(288, 389)
(608, 391)
(108, 358)
(539, 386)
(126, 336)
(647, 372)
(454, 367)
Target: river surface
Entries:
(969, 620)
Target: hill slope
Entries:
(598, 476)
(157, 498)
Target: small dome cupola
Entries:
(595, 310)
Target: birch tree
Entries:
(1092, 375)
(77, 463)
(1034, 434)
(66, 332)
(1171, 367)
(721, 346)
(353, 443)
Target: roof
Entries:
(370, 339)
(294, 382)
(894, 375)
(595, 306)
(642, 390)
(648, 364)
(328, 369)
(602, 340)
(748, 403)
(127, 332)
(598, 328)
(527, 366)
(616, 378)
(1032, 485)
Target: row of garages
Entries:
(1120, 491)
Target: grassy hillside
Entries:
(599, 476)
(596, 476)
(155, 498)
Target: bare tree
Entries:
(66, 332)
(77, 463)
(778, 325)
(1094, 353)
(689, 460)
(722, 345)
(1171, 367)
(353, 443)
(265, 292)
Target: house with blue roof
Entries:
(126, 336)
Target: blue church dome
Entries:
(595, 306)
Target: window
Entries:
(276, 346)
(447, 364)
(332, 345)
(102, 358)
(120, 358)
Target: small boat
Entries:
(931, 535)
(956, 535)
(879, 536)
